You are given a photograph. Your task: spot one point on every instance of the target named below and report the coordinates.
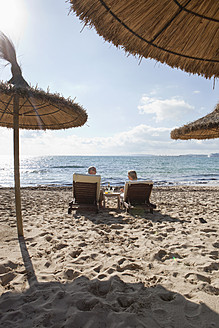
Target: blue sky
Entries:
(131, 106)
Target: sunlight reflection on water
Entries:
(163, 170)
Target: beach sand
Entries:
(111, 269)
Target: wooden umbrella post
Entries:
(16, 166)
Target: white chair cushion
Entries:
(128, 183)
(90, 178)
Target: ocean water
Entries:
(163, 170)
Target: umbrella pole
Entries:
(16, 166)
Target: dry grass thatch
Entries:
(39, 109)
(180, 33)
(24, 107)
(36, 108)
(206, 127)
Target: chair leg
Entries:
(70, 207)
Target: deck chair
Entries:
(137, 193)
(86, 192)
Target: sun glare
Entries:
(12, 17)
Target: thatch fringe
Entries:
(206, 127)
(182, 34)
(36, 109)
(39, 109)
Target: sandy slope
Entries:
(111, 269)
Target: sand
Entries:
(111, 269)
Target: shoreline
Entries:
(117, 187)
(111, 269)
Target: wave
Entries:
(67, 167)
(36, 171)
(58, 171)
(206, 175)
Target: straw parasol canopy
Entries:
(39, 109)
(180, 33)
(24, 107)
(206, 127)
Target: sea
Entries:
(162, 170)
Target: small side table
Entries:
(110, 195)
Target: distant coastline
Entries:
(214, 155)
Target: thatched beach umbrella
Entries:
(180, 33)
(206, 127)
(24, 107)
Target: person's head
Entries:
(92, 170)
(132, 175)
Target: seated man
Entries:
(93, 170)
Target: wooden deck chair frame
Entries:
(86, 192)
(138, 193)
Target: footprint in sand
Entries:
(33, 244)
(70, 274)
(214, 255)
(193, 278)
(4, 269)
(121, 261)
(216, 245)
(208, 230)
(47, 264)
(160, 314)
(192, 310)
(6, 278)
(82, 244)
(87, 304)
(214, 266)
(98, 268)
(170, 229)
(102, 276)
(9, 265)
(75, 253)
(48, 238)
(100, 288)
(125, 301)
(128, 267)
(160, 255)
(210, 289)
(60, 246)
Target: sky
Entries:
(132, 106)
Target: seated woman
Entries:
(132, 175)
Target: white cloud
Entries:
(6, 136)
(174, 108)
(142, 139)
